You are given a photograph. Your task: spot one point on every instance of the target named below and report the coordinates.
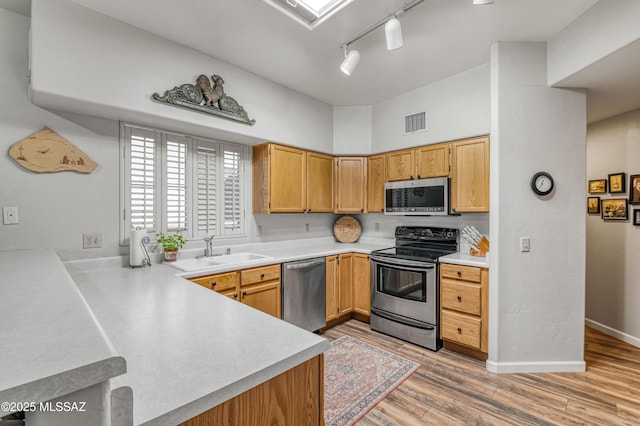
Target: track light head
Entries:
(393, 33)
(351, 61)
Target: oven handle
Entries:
(402, 320)
(402, 262)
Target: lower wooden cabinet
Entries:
(331, 265)
(361, 284)
(295, 397)
(464, 295)
(256, 287)
(345, 286)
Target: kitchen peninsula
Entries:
(186, 348)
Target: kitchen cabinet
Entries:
(432, 161)
(291, 180)
(400, 165)
(361, 284)
(319, 182)
(375, 183)
(351, 184)
(339, 285)
(470, 175)
(294, 397)
(464, 296)
(256, 287)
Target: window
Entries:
(177, 183)
(309, 13)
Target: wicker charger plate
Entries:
(347, 229)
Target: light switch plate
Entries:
(10, 216)
(525, 244)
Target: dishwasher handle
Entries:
(304, 265)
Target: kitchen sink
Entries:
(194, 264)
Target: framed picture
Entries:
(616, 183)
(598, 186)
(634, 189)
(593, 205)
(636, 217)
(614, 209)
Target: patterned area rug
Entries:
(357, 376)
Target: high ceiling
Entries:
(441, 38)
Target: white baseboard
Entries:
(537, 367)
(632, 340)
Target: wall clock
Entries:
(542, 183)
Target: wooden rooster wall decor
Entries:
(206, 97)
(46, 151)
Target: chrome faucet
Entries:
(208, 250)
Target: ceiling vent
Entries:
(415, 123)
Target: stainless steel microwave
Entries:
(426, 197)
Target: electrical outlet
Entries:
(525, 244)
(92, 240)
(10, 216)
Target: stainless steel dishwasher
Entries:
(304, 291)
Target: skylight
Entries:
(309, 13)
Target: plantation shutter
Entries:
(176, 183)
(142, 179)
(205, 208)
(232, 178)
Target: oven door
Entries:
(404, 287)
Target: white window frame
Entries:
(161, 137)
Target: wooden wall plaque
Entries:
(48, 152)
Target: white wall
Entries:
(606, 27)
(536, 320)
(457, 107)
(55, 208)
(613, 270)
(352, 130)
(88, 63)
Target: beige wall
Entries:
(613, 269)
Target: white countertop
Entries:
(465, 259)
(51, 342)
(187, 349)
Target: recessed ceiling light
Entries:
(309, 13)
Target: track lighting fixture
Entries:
(476, 2)
(350, 62)
(393, 34)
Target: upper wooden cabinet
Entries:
(291, 180)
(470, 175)
(375, 183)
(400, 165)
(432, 161)
(418, 163)
(351, 184)
(319, 182)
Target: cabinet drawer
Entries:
(219, 282)
(261, 274)
(459, 272)
(460, 296)
(461, 328)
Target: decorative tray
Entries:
(347, 229)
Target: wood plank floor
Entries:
(451, 389)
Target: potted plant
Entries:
(170, 244)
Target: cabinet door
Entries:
(432, 161)
(319, 182)
(375, 183)
(351, 178)
(470, 175)
(287, 179)
(264, 297)
(332, 287)
(361, 284)
(345, 274)
(400, 165)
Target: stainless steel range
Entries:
(405, 285)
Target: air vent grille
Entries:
(414, 123)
